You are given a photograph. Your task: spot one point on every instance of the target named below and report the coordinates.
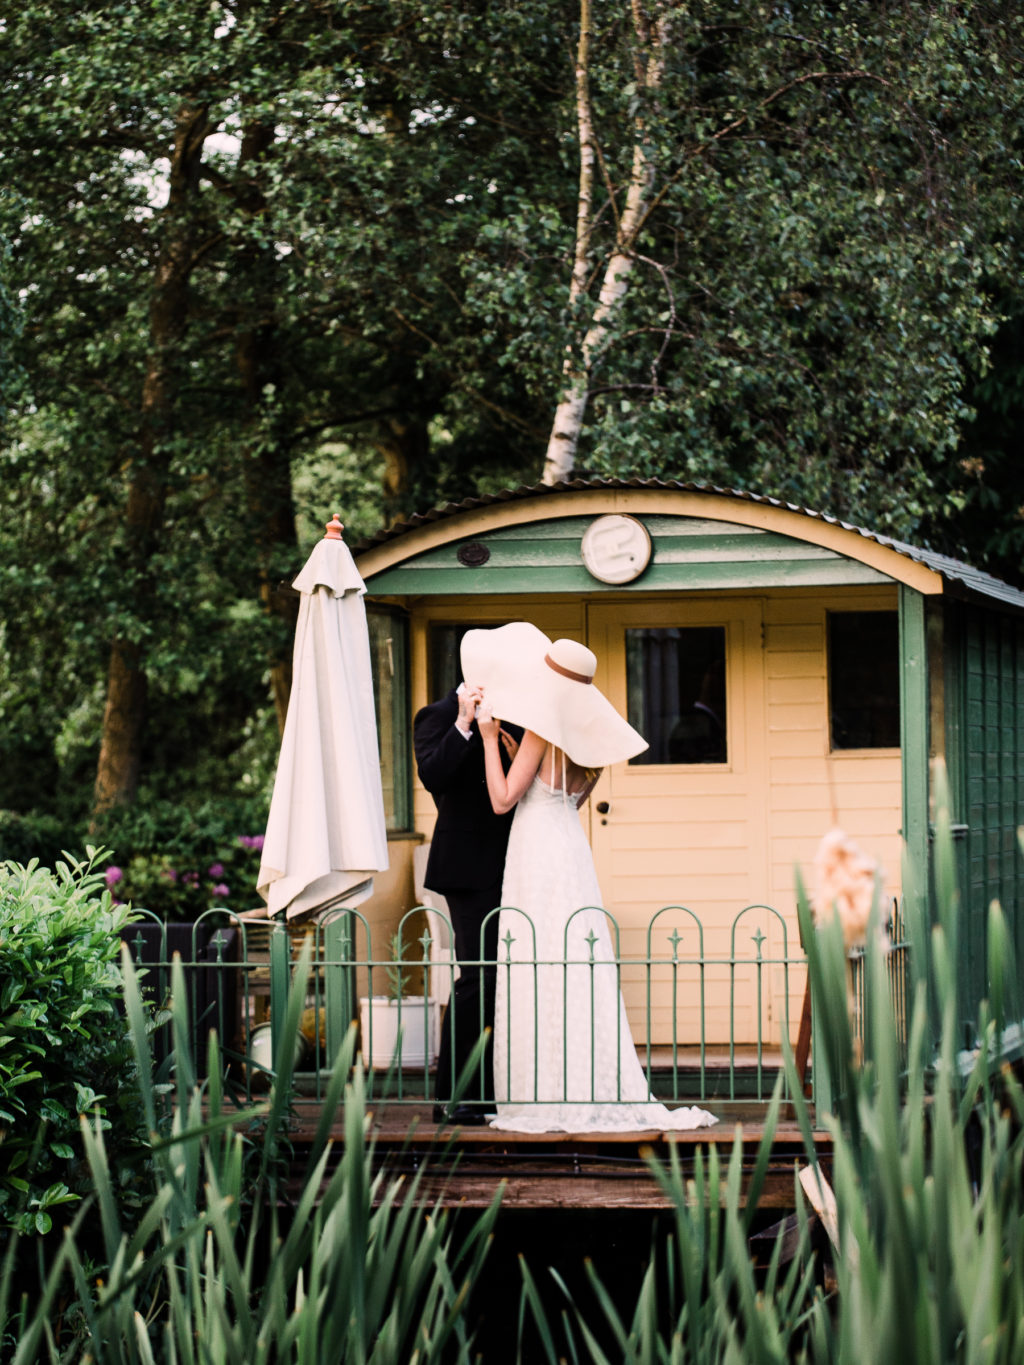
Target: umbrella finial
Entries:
(334, 528)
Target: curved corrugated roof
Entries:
(956, 572)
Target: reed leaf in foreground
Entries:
(928, 1176)
(702, 1297)
(332, 1264)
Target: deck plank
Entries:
(466, 1167)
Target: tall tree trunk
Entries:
(120, 760)
(404, 443)
(403, 439)
(652, 40)
(271, 510)
(267, 461)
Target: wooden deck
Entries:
(465, 1167)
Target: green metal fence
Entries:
(708, 1024)
(898, 976)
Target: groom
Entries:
(465, 865)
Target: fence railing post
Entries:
(280, 976)
(339, 982)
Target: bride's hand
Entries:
(511, 744)
(488, 726)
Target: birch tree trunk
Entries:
(652, 38)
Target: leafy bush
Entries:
(350, 1268)
(177, 891)
(32, 835)
(175, 859)
(179, 861)
(65, 1046)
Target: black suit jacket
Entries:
(467, 851)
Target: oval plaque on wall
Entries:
(473, 554)
(616, 548)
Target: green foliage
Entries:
(175, 859)
(10, 326)
(355, 300)
(357, 1269)
(704, 1300)
(24, 836)
(989, 479)
(828, 210)
(64, 1046)
(399, 978)
(178, 861)
(191, 359)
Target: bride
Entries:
(564, 1058)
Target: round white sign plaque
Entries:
(616, 548)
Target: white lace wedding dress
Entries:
(564, 1058)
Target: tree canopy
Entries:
(264, 261)
(787, 239)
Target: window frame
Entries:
(399, 818)
(719, 629)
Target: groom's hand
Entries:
(469, 699)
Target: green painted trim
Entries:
(954, 674)
(565, 553)
(280, 977)
(394, 692)
(403, 726)
(341, 1008)
(914, 732)
(700, 576)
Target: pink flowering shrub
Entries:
(174, 888)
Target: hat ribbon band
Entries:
(566, 672)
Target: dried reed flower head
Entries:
(845, 878)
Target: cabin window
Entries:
(675, 679)
(389, 654)
(444, 648)
(444, 667)
(864, 679)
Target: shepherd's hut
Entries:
(791, 672)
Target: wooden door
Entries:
(686, 824)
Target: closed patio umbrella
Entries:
(325, 835)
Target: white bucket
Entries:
(379, 1024)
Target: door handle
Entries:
(603, 808)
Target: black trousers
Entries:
(471, 1006)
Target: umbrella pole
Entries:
(280, 970)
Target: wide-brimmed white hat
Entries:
(548, 687)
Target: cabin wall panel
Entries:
(798, 691)
(639, 841)
(990, 657)
(797, 717)
(794, 637)
(794, 664)
(791, 742)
